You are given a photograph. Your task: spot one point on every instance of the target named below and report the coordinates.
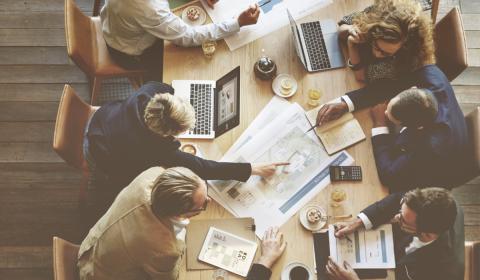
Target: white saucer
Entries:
(201, 19)
(309, 226)
(286, 271)
(276, 85)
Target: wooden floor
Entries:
(38, 191)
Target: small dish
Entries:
(202, 16)
(308, 211)
(284, 85)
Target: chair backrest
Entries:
(472, 260)
(80, 36)
(72, 117)
(450, 44)
(473, 127)
(64, 260)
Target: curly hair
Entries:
(400, 21)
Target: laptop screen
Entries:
(227, 102)
(296, 37)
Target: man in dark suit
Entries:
(432, 149)
(428, 235)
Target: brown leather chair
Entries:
(72, 117)
(473, 127)
(472, 260)
(450, 44)
(87, 48)
(433, 12)
(64, 260)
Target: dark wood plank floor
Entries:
(38, 191)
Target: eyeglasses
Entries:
(378, 49)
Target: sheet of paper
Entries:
(272, 201)
(228, 251)
(365, 249)
(273, 16)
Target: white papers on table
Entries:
(273, 16)
(272, 201)
(228, 251)
(365, 249)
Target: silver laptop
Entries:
(216, 103)
(317, 44)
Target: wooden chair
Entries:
(450, 44)
(87, 48)
(72, 117)
(473, 127)
(64, 260)
(472, 260)
(433, 12)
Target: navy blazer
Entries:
(123, 147)
(443, 259)
(436, 156)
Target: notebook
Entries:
(197, 231)
(338, 134)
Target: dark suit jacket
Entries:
(437, 156)
(440, 260)
(123, 147)
(259, 272)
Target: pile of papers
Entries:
(277, 135)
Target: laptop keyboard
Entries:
(315, 44)
(201, 100)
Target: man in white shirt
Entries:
(428, 235)
(134, 31)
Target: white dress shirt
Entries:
(180, 228)
(412, 247)
(131, 26)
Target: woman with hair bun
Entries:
(126, 137)
(387, 40)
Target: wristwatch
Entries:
(354, 67)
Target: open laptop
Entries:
(317, 44)
(216, 103)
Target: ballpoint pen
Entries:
(311, 128)
(265, 3)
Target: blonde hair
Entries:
(173, 192)
(400, 21)
(169, 115)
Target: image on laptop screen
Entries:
(227, 100)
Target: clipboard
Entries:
(197, 231)
(322, 251)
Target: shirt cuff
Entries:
(232, 25)
(380, 130)
(349, 102)
(365, 220)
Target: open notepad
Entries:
(338, 134)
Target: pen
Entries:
(265, 3)
(346, 237)
(310, 129)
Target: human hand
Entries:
(249, 16)
(272, 247)
(340, 272)
(344, 229)
(354, 35)
(210, 3)
(330, 112)
(377, 113)
(266, 169)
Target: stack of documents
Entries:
(277, 135)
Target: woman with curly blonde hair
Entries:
(387, 40)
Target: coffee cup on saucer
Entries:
(297, 271)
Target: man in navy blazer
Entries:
(432, 151)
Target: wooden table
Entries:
(189, 63)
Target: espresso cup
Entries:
(299, 273)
